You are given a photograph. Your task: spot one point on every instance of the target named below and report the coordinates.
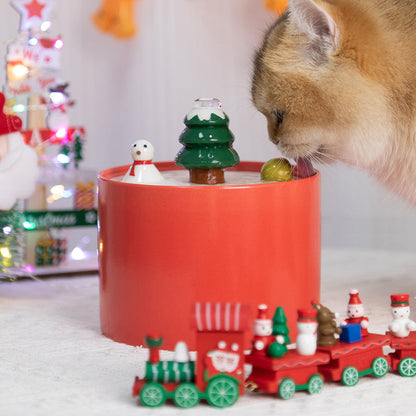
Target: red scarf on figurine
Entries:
(138, 162)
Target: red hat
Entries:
(399, 300)
(262, 313)
(354, 298)
(307, 315)
(8, 123)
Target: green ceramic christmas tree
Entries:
(207, 143)
(281, 332)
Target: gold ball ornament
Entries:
(277, 170)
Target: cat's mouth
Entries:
(305, 155)
(317, 153)
(304, 167)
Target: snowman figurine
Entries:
(401, 324)
(307, 324)
(58, 118)
(142, 170)
(263, 328)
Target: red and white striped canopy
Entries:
(224, 317)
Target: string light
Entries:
(45, 26)
(58, 192)
(29, 225)
(7, 230)
(61, 133)
(5, 252)
(78, 254)
(19, 108)
(58, 44)
(62, 158)
(17, 71)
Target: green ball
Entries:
(277, 170)
(277, 350)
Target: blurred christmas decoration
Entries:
(277, 6)
(12, 243)
(34, 14)
(116, 17)
(50, 251)
(18, 162)
(35, 234)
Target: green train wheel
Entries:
(222, 392)
(315, 384)
(350, 376)
(380, 366)
(287, 388)
(186, 395)
(407, 367)
(153, 395)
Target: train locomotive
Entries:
(217, 375)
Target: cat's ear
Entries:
(313, 20)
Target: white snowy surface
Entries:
(232, 178)
(54, 360)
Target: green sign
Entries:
(43, 220)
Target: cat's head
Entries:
(316, 80)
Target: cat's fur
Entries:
(336, 80)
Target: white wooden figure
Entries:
(401, 324)
(307, 324)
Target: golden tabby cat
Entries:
(336, 80)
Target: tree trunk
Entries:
(206, 176)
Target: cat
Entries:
(336, 80)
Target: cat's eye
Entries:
(278, 116)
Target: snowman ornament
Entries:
(307, 325)
(401, 324)
(142, 170)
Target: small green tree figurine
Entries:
(207, 143)
(281, 332)
(78, 150)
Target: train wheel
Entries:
(222, 392)
(350, 376)
(153, 395)
(315, 384)
(186, 395)
(380, 366)
(407, 367)
(287, 388)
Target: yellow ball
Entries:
(277, 170)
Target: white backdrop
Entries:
(185, 49)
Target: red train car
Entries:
(286, 374)
(349, 362)
(403, 359)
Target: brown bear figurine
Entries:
(327, 326)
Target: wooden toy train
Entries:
(218, 377)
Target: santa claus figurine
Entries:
(18, 162)
(401, 324)
(263, 328)
(355, 313)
